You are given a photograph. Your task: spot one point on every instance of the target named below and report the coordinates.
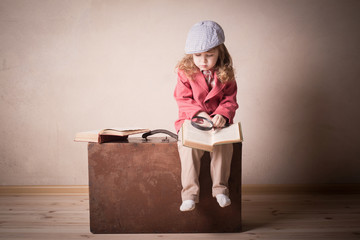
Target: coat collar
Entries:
(200, 80)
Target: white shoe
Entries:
(187, 205)
(223, 200)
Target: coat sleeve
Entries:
(183, 94)
(228, 103)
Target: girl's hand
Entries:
(219, 121)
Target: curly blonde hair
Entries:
(223, 67)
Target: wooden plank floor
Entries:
(265, 216)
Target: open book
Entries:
(107, 135)
(205, 140)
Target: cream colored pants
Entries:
(190, 169)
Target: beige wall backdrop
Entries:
(69, 66)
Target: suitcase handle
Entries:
(171, 134)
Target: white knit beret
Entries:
(204, 36)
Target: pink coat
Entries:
(193, 96)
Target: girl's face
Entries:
(206, 60)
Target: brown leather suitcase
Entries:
(134, 187)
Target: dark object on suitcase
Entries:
(147, 134)
(134, 187)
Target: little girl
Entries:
(206, 87)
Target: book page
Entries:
(191, 134)
(123, 132)
(89, 136)
(227, 134)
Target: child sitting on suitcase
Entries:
(206, 87)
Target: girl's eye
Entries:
(210, 55)
(197, 55)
